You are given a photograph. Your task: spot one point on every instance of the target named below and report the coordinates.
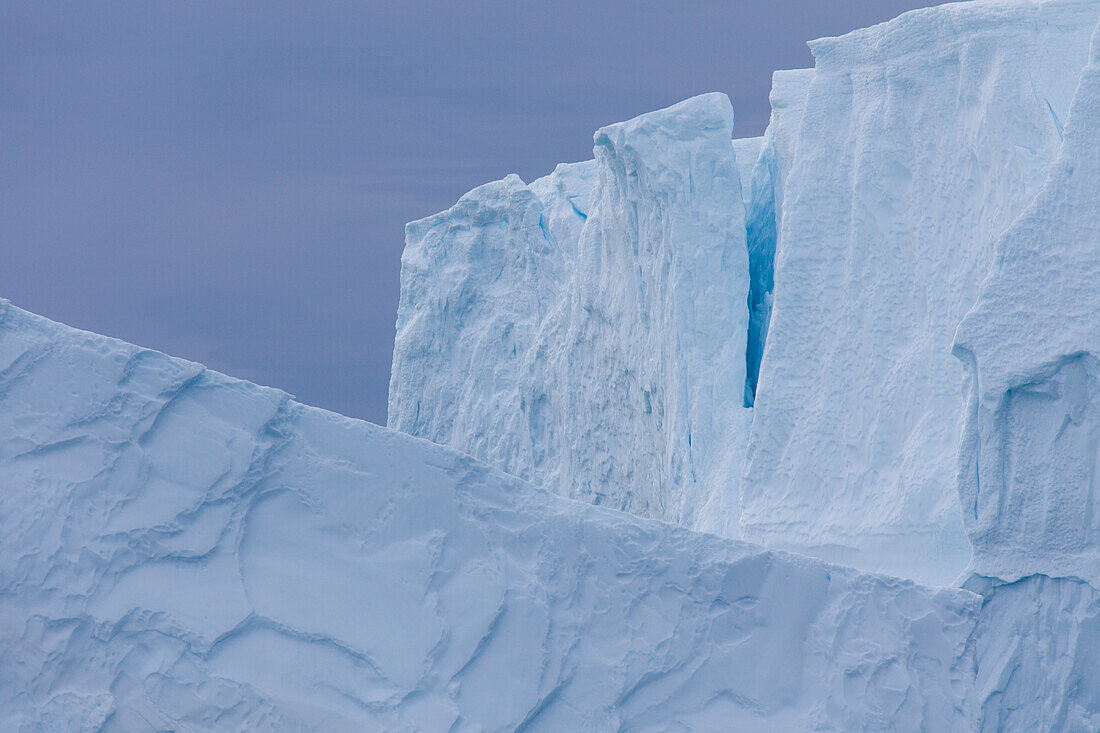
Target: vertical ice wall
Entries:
(1028, 480)
(921, 139)
(474, 293)
(764, 209)
(591, 336)
(479, 283)
(746, 151)
(653, 352)
(1031, 347)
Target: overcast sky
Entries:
(229, 181)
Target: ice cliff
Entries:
(917, 159)
(868, 338)
(588, 332)
(181, 550)
(1028, 460)
(1031, 344)
(921, 139)
(623, 370)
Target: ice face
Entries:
(921, 139)
(179, 548)
(479, 283)
(182, 549)
(1030, 345)
(1036, 645)
(746, 151)
(587, 332)
(764, 212)
(618, 376)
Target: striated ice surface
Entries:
(763, 215)
(1031, 348)
(749, 337)
(588, 332)
(746, 151)
(1028, 457)
(181, 550)
(921, 139)
(1036, 646)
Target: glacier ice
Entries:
(763, 216)
(921, 139)
(868, 217)
(872, 208)
(1030, 345)
(746, 151)
(1028, 457)
(179, 549)
(786, 339)
(588, 332)
(1035, 649)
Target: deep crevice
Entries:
(761, 234)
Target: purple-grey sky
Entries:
(229, 181)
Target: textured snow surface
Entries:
(1037, 645)
(746, 151)
(921, 139)
(181, 550)
(1031, 345)
(588, 332)
(751, 337)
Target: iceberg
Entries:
(920, 140)
(588, 332)
(792, 432)
(180, 549)
(1030, 346)
(752, 339)
(916, 158)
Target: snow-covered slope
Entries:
(922, 138)
(588, 332)
(181, 550)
